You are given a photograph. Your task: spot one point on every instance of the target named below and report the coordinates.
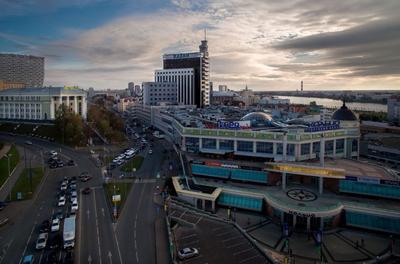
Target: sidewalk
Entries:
(6, 148)
(160, 229)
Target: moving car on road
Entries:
(187, 253)
(86, 190)
(61, 201)
(28, 259)
(55, 225)
(74, 206)
(42, 241)
(45, 226)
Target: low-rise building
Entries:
(40, 104)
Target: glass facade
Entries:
(192, 144)
(290, 149)
(316, 147)
(209, 143)
(246, 146)
(217, 172)
(240, 201)
(375, 222)
(249, 175)
(354, 145)
(279, 148)
(329, 147)
(226, 144)
(305, 149)
(381, 190)
(340, 145)
(265, 147)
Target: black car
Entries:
(45, 226)
(60, 163)
(86, 190)
(84, 174)
(52, 257)
(59, 214)
(55, 241)
(71, 163)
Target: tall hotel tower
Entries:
(190, 72)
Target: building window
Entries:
(305, 149)
(290, 149)
(316, 147)
(226, 144)
(279, 148)
(329, 147)
(245, 146)
(209, 143)
(340, 145)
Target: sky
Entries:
(266, 44)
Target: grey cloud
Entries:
(368, 49)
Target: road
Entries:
(130, 240)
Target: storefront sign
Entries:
(306, 170)
(233, 124)
(368, 180)
(323, 126)
(301, 214)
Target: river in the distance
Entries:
(330, 103)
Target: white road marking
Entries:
(5, 249)
(97, 225)
(109, 256)
(41, 256)
(27, 242)
(102, 211)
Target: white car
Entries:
(120, 162)
(187, 253)
(74, 196)
(61, 201)
(55, 225)
(42, 241)
(150, 151)
(53, 153)
(74, 206)
(64, 186)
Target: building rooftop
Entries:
(41, 91)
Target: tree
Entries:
(71, 126)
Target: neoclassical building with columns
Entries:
(40, 104)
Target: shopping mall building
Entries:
(307, 175)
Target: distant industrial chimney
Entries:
(301, 86)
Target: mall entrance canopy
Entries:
(305, 170)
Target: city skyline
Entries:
(266, 45)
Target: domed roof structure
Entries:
(344, 114)
(257, 117)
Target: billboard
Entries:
(233, 124)
(323, 125)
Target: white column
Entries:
(59, 101)
(311, 150)
(84, 107)
(284, 147)
(52, 111)
(274, 148)
(345, 148)
(254, 147)
(217, 144)
(283, 180)
(68, 106)
(294, 221)
(322, 151)
(334, 148)
(75, 104)
(321, 185)
(235, 145)
(200, 143)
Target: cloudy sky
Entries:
(269, 45)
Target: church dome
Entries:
(344, 114)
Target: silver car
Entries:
(187, 253)
(42, 241)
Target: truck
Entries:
(69, 232)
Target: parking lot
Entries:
(217, 242)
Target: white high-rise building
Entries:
(184, 80)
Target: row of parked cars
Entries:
(56, 162)
(127, 155)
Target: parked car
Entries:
(52, 257)
(53, 153)
(55, 241)
(42, 241)
(71, 163)
(45, 226)
(74, 206)
(55, 225)
(86, 190)
(63, 186)
(60, 163)
(59, 214)
(150, 151)
(83, 174)
(28, 142)
(187, 253)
